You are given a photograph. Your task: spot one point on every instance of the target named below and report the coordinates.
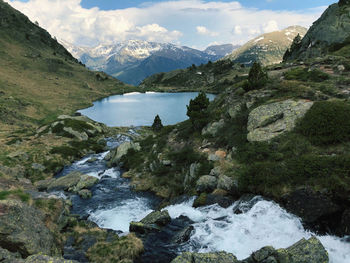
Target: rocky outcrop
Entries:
(74, 182)
(212, 129)
(79, 127)
(206, 183)
(316, 209)
(268, 121)
(329, 31)
(22, 230)
(121, 151)
(304, 251)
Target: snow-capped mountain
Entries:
(221, 50)
(268, 48)
(134, 60)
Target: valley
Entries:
(247, 161)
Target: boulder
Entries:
(226, 183)
(85, 194)
(122, 150)
(47, 259)
(81, 136)
(65, 182)
(268, 121)
(152, 222)
(217, 257)
(234, 110)
(304, 251)
(9, 257)
(313, 207)
(73, 182)
(160, 218)
(213, 128)
(206, 183)
(191, 175)
(22, 230)
(216, 171)
(183, 236)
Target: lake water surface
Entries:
(139, 109)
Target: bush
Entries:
(197, 111)
(64, 151)
(327, 122)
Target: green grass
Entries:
(304, 74)
(24, 197)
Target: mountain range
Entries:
(133, 60)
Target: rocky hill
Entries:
(134, 60)
(336, 22)
(268, 48)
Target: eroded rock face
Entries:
(22, 230)
(271, 120)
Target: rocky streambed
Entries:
(241, 228)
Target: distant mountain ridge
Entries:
(268, 48)
(134, 60)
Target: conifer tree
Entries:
(157, 124)
(197, 111)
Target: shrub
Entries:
(197, 111)
(327, 122)
(64, 151)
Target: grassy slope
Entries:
(38, 77)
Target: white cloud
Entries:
(202, 30)
(172, 21)
(270, 26)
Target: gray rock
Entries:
(183, 236)
(215, 171)
(234, 110)
(47, 259)
(81, 136)
(271, 120)
(39, 167)
(206, 183)
(226, 183)
(217, 257)
(160, 218)
(122, 150)
(212, 129)
(22, 229)
(9, 257)
(85, 194)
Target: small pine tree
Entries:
(157, 124)
(257, 77)
(197, 111)
(296, 44)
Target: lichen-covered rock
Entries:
(183, 236)
(160, 218)
(218, 257)
(271, 120)
(141, 228)
(22, 229)
(304, 251)
(123, 150)
(85, 194)
(212, 129)
(206, 183)
(9, 257)
(47, 259)
(85, 182)
(65, 182)
(226, 183)
(73, 182)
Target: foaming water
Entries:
(120, 215)
(258, 223)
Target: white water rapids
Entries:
(264, 224)
(260, 222)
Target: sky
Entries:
(193, 23)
